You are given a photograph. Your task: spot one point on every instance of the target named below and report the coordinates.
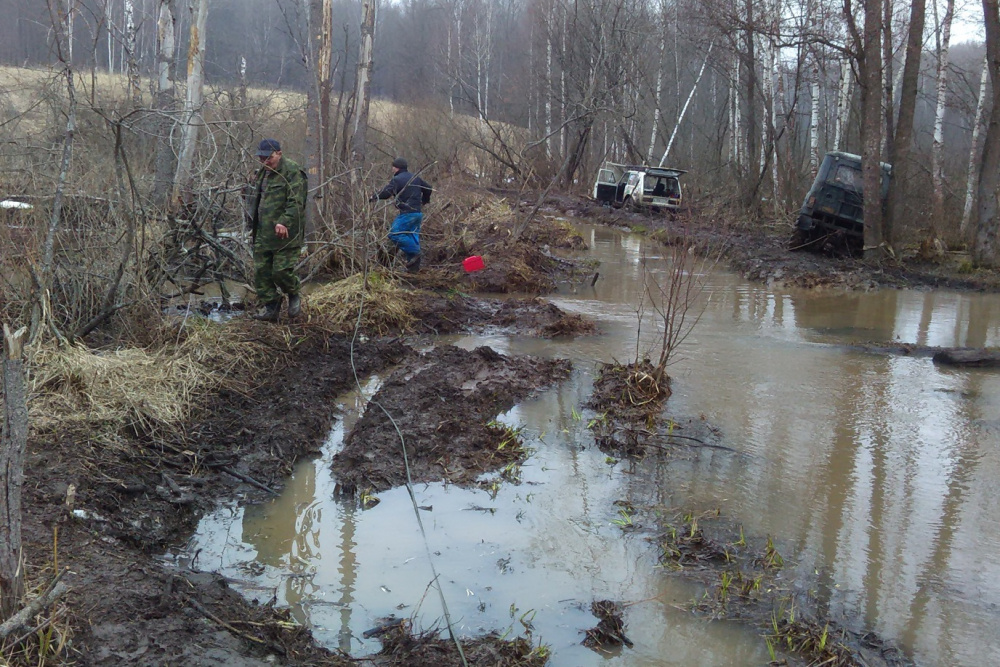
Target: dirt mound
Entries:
(442, 405)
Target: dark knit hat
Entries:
(400, 163)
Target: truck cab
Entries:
(639, 187)
(835, 202)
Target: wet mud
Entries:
(105, 507)
(459, 313)
(442, 405)
(609, 633)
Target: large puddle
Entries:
(876, 475)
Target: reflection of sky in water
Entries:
(874, 473)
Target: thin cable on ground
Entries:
(409, 487)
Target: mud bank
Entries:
(135, 496)
(442, 406)
(762, 252)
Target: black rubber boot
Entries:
(270, 312)
(413, 264)
(294, 305)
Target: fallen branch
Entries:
(22, 619)
(246, 478)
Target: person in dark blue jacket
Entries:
(410, 193)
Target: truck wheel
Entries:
(802, 240)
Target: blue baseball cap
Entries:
(268, 146)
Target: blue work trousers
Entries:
(405, 233)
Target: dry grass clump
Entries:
(130, 387)
(387, 307)
(144, 389)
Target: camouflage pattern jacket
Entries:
(279, 197)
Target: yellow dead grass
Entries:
(386, 305)
(147, 390)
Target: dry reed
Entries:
(387, 306)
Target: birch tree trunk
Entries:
(843, 104)
(656, 98)
(184, 181)
(814, 118)
(131, 56)
(163, 180)
(937, 148)
(687, 102)
(363, 84)
(548, 82)
(110, 24)
(13, 440)
(970, 189)
(985, 248)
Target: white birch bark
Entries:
(109, 21)
(734, 113)
(843, 104)
(687, 102)
(970, 186)
(548, 83)
(814, 119)
(656, 98)
(184, 181)
(131, 55)
(563, 136)
(937, 148)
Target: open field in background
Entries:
(33, 106)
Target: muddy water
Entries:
(875, 474)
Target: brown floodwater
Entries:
(875, 474)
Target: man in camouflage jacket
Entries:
(277, 215)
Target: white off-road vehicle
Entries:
(639, 187)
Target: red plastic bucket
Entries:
(474, 263)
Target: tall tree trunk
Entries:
(184, 181)
(985, 250)
(871, 129)
(814, 118)
(163, 180)
(548, 81)
(899, 208)
(656, 99)
(887, 67)
(687, 102)
(843, 103)
(970, 186)
(937, 149)
(319, 60)
(363, 85)
(13, 440)
(131, 55)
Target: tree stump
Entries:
(13, 439)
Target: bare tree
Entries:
(970, 186)
(184, 181)
(985, 250)
(937, 151)
(363, 84)
(902, 144)
(165, 102)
